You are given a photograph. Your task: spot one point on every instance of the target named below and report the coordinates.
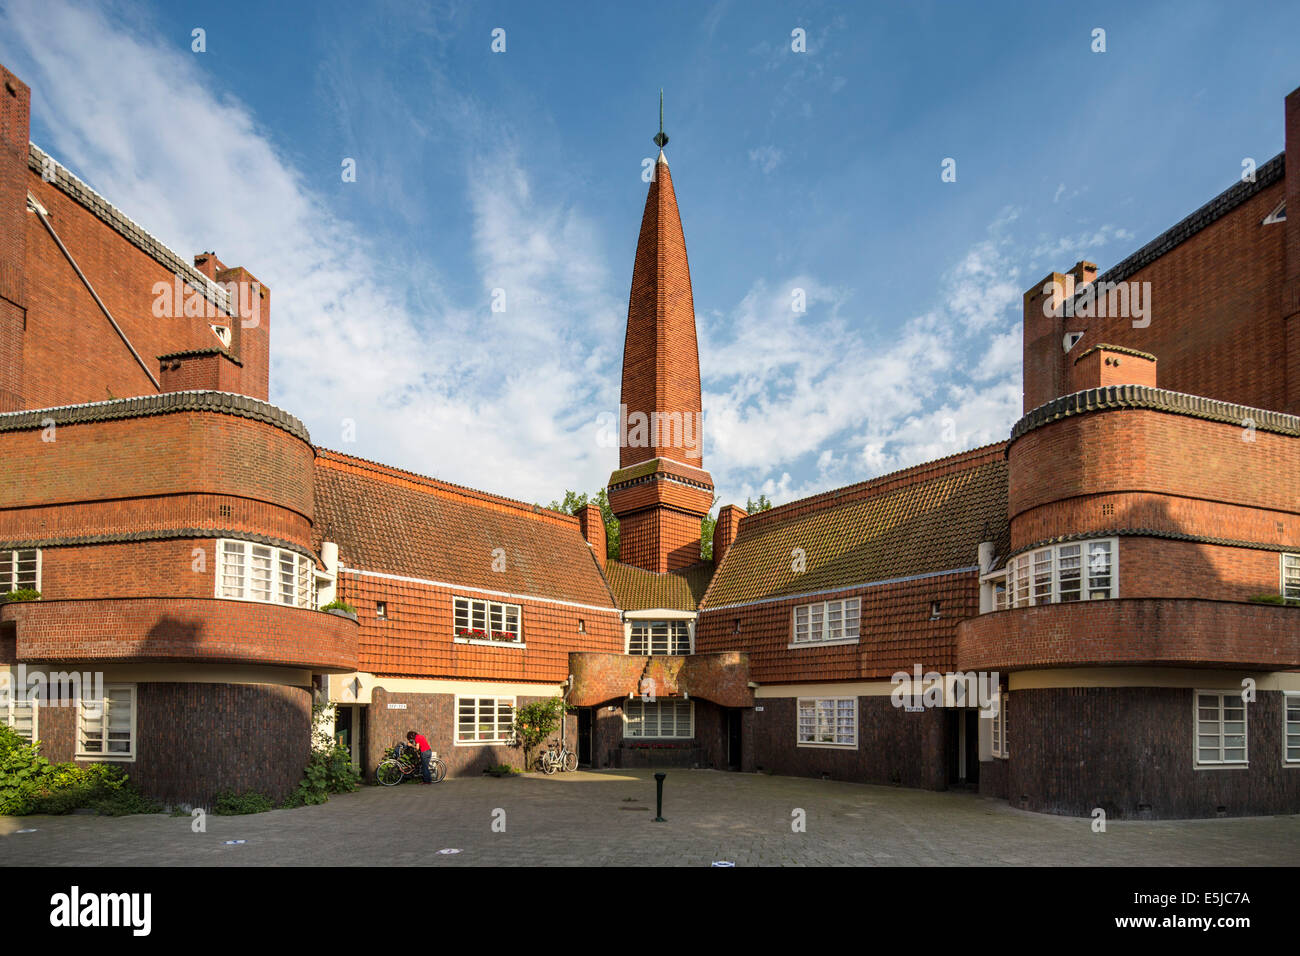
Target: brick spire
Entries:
(661, 491)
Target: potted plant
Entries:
(20, 594)
(341, 608)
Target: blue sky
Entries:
(522, 170)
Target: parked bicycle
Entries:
(557, 757)
(401, 763)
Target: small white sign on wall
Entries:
(758, 710)
(397, 707)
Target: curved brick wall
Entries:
(1128, 750)
(172, 462)
(1132, 631)
(166, 629)
(1154, 469)
(600, 677)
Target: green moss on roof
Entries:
(638, 590)
(932, 525)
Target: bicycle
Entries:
(402, 763)
(557, 757)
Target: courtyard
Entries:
(606, 819)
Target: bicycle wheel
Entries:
(549, 763)
(570, 760)
(389, 773)
(438, 769)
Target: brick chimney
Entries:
(725, 531)
(592, 523)
(15, 126)
(1104, 365)
(1046, 372)
(250, 333)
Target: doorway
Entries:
(584, 736)
(734, 717)
(962, 742)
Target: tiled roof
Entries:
(1110, 397)
(925, 519)
(168, 403)
(396, 522)
(639, 590)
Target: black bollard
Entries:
(659, 798)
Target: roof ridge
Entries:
(395, 475)
(1190, 225)
(935, 468)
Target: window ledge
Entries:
(830, 746)
(105, 758)
(483, 743)
(842, 641)
(1221, 766)
(474, 640)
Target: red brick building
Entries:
(1083, 616)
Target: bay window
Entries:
(1062, 573)
(258, 572)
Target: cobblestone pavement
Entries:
(604, 819)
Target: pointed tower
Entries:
(660, 492)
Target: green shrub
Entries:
(503, 770)
(234, 804)
(329, 768)
(30, 784)
(20, 594)
(339, 606)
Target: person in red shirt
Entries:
(421, 743)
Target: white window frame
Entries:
(1289, 565)
(1291, 727)
(670, 624)
(81, 752)
(14, 699)
(502, 737)
(1034, 577)
(634, 718)
(1000, 745)
(11, 580)
(242, 578)
(824, 608)
(1221, 696)
(489, 610)
(842, 740)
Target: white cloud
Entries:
(501, 400)
(766, 158)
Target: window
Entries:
(1290, 576)
(659, 637)
(106, 728)
(1291, 726)
(17, 712)
(1220, 728)
(257, 572)
(487, 621)
(20, 569)
(999, 729)
(827, 721)
(1082, 571)
(485, 720)
(826, 622)
(660, 718)
(381, 610)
